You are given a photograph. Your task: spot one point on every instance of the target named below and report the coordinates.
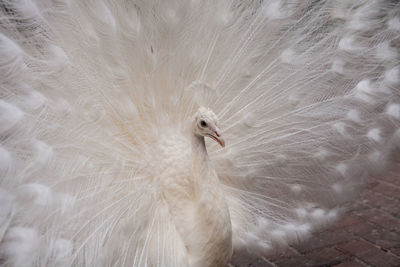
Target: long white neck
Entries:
(200, 164)
(210, 236)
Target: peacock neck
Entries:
(200, 165)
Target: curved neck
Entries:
(200, 168)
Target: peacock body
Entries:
(105, 106)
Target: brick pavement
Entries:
(368, 235)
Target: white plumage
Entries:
(104, 106)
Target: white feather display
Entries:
(105, 106)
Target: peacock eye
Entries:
(203, 123)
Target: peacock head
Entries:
(206, 124)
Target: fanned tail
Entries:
(307, 93)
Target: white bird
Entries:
(105, 106)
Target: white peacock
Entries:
(105, 106)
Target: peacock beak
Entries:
(217, 137)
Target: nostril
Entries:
(217, 134)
